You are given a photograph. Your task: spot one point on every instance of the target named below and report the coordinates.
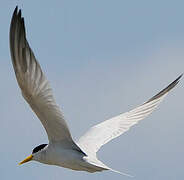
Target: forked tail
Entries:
(99, 166)
(125, 174)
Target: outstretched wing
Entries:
(102, 133)
(33, 83)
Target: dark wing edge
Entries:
(165, 90)
(17, 40)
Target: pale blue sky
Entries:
(102, 58)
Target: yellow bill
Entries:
(29, 158)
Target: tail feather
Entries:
(101, 166)
(125, 174)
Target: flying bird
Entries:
(61, 149)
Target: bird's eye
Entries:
(38, 148)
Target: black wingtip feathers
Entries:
(167, 89)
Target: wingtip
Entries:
(166, 90)
(180, 76)
(20, 13)
(177, 80)
(15, 10)
(16, 7)
(15, 14)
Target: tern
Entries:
(61, 149)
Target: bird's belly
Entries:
(69, 158)
(66, 158)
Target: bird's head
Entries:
(36, 154)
